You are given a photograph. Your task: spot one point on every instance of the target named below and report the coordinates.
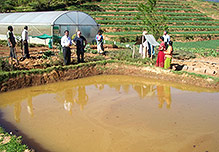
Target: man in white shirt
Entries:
(66, 43)
(166, 38)
(25, 42)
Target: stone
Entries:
(185, 68)
(210, 71)
(201, 70)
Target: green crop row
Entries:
(172, 17)
(171, 28)
(159, 9)
(190, 21)
(191, 32)
(122, 33)
(119, 22)
(136, 13)
(171, 22)
(135, 5)
(197, 32)
(135, 26)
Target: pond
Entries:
(113, 114)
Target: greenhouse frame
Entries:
(52, 23)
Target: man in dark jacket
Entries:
(80, 42)
(11, 42)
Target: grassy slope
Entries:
(184, 19)
(209, 8)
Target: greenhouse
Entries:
(53, 24)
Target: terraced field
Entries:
(118, 18)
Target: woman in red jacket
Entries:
(161, 55)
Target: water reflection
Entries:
(164, 95)
(78, 95)
(75, 93)
(121, 113)
(17, 111)
(144, 90)
(18, 107)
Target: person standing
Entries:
(80, 43)
(168, 55)
(11, 42)
(143, 45)
(66, 43)
(99, 39)
(166, 38)
(160, 56)
(25, 42)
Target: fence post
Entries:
(133, 53)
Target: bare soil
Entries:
(207, 66)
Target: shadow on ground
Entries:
(25, 140)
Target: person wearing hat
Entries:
(144, 45)
(11, 42)
(24, 36)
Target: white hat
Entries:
(144, 33)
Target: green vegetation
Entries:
(212, 44)
(198, 18)
(11, 143)
(40, 5)
(184, 22)
(210, 8)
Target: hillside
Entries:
(118, 18)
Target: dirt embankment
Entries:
(110, 69)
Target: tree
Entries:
(153, 22)
(6, 6)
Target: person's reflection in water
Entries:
(126, 88)
(82, 97)
(167, 96)
(30, 106)
(100, 86)
(144, 90)
(163, 93)
(117, 87)
(17, 111)
(69, 99)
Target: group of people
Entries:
(165, 49)
(12, 42)
(146, 49)
(80, 42)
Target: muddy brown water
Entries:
(113, 114)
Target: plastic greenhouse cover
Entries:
(40, 18)
(47, 18)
